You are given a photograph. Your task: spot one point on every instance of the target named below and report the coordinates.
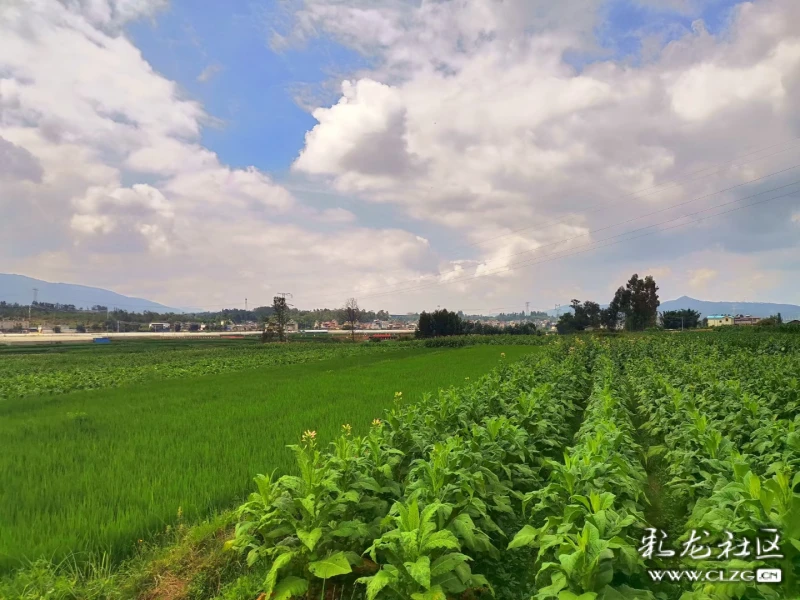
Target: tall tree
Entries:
(280, 316)
(425, 325)
(637, 303)
(351, 315)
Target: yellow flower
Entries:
(376, 422)
(398, 395)
(347, 429)
(502, 355)
(309, 435)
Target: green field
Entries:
(542, 479)
(91, 471)
(63, 368)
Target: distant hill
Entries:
(705, 308)
(18, 288)
(756, 309)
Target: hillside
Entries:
(19, 289)
(756, 309)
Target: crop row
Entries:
(415, 507)
(730, 443)
(472, 480)
(586, 534)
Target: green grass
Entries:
(96, 470)
(60, 369)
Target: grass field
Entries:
(97, 470)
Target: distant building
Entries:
(159, 327)
(745, 320)
(719, 320)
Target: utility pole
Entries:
(245, 305)
(558, 311)
(527, 306)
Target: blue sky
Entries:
(253, 90)
(468, 137)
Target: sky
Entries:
(413, 154)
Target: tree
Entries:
(424, 325)
(351, 315)
(279, 318)
(680, 319)
(582, 316)
(439, 323)
(771, 320)
(637, 303)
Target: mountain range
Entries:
(19, 289)
(755, 309)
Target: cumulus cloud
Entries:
(18, 163)
(503, 130)
(101, 160)
(475, 118)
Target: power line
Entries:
(650, 214)
(672, 183)
(514, 266)
(653, 189)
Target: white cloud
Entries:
(18, 163)
(81, 112)
(469, 123)
(209, 72)
(472, 124)
(699, 278)
(113, 13)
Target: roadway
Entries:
(50, 338)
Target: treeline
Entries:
(634, 307)
(442, 323)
